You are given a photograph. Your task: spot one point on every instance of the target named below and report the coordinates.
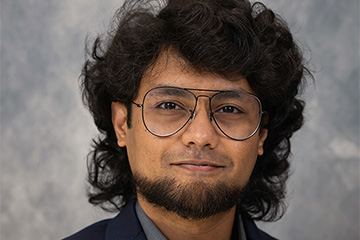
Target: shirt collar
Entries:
(153, 233)
(150, 229)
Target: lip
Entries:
(198, 165)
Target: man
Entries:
(196, 102)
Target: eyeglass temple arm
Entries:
(137, 104)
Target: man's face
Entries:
(199, 154)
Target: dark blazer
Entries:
(126, 226)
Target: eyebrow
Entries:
(172, 91)
(229, 94)
(199, 89)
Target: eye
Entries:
(168, 106)
(229, 109)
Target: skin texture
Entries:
(176, 156)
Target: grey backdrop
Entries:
(46, 133)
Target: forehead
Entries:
(172, 70)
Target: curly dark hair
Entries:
(227, 38)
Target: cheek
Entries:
(143, 151)
(136, 144)
(244, 160)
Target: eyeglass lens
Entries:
(166, 110)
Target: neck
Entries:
(175, 227)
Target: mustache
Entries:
(196, 154)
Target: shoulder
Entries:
(253, 232)
(124, 226)
(266, 236)
(95, 231)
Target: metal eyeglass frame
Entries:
(192, 115)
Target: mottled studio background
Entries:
(46, 133)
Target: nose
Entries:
(201, 131)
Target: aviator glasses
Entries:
(166, 110)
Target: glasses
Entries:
(166, 110)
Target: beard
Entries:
(193, 200)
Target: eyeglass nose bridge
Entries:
(193, 112)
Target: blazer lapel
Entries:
(252, 231)
(125, 225)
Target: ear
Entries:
(262, 138)
(119, 119)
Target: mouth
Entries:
(198, 166)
